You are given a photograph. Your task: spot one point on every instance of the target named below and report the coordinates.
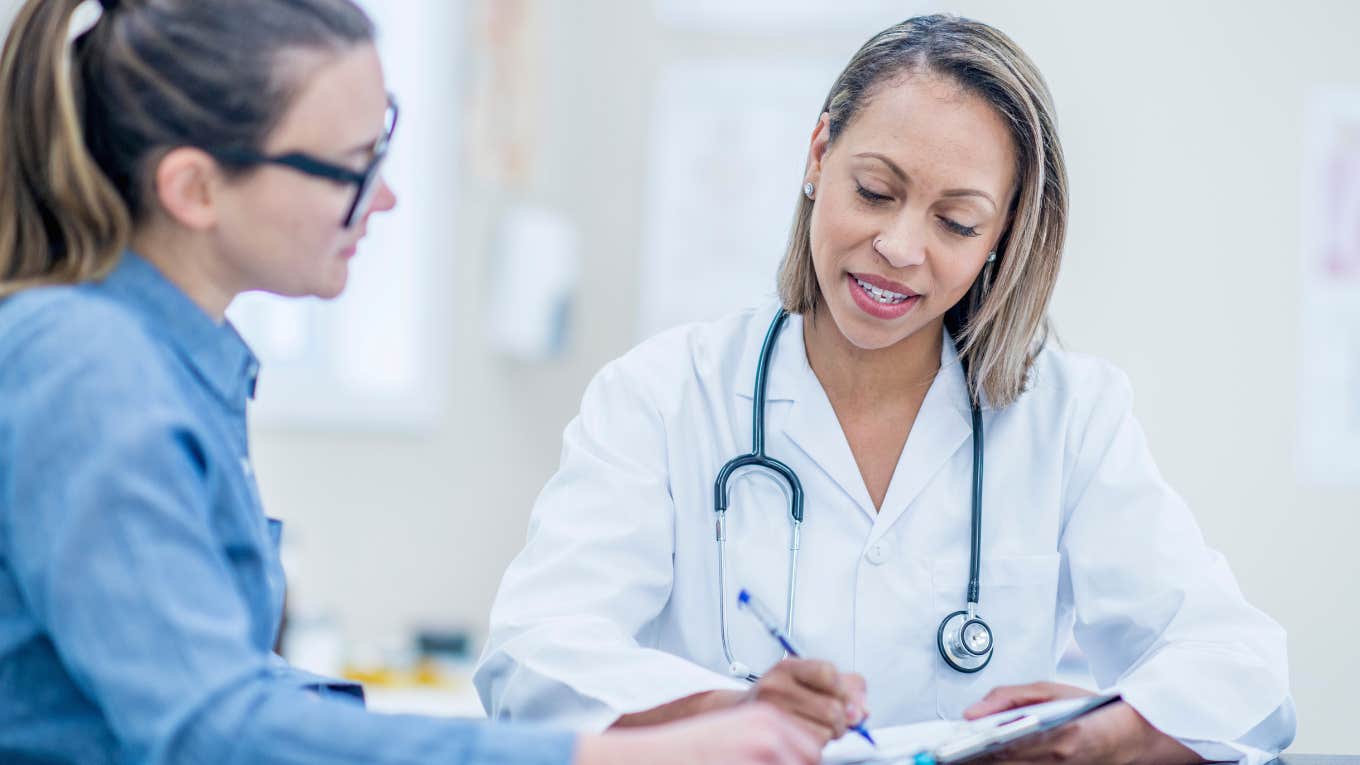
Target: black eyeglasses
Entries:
(366, 182)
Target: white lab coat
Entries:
(612, 606)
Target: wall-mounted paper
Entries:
(1329, 370)
(534, 272)
(728, 146)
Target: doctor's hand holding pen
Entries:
(827, 702)
(823, 701)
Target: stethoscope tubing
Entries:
(758, 459)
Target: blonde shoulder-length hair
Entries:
(1001, 325)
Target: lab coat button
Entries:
(879, 553)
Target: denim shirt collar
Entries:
(215, 351)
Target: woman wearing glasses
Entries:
(156, 160)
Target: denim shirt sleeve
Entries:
(107, 532)
(318, 684)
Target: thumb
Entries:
(1005, 697)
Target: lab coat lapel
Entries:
(810, 423)
(812, 426)
(942, 427)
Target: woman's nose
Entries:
(900, 248)
(384, 198)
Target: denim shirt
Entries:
(140, 584)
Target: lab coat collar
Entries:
(789, 369)
(789, 364)
(942, 427)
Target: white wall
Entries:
(1184, 133)
(1183, 122)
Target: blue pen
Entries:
(747, 602)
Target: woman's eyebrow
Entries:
(970, 193)
(897, 171)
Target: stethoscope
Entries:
(964, 639)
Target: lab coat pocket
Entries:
(1018, 600)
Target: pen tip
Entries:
(743, 597)
(863, 731)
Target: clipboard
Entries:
(988, 734)
(945, 742)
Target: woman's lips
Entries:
(880, 302)
(886, 284)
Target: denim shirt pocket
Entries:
(251, 544)
(275, 532)
(278, 585)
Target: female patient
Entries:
(153, 165)
(908, 345)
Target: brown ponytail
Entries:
(82, 121)
(61, 219)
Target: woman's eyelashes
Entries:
(872, 197)
(958, 228)
(876, 199)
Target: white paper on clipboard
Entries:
(958, 741)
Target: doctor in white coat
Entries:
(924, 251)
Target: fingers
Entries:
(818, 676)
(812, 692)
(1062, 745)
(854, 691)
(1005, 697)
(791, 743)
(804, 746)
(1116, 733)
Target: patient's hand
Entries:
(1114, 734)
(750, 734)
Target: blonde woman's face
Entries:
(282, 230)
(910, 199)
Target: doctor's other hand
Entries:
(752, 734)
(825, 700)
(1113, 734)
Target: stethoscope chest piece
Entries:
(965, 641)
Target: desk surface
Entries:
(1316, 759)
